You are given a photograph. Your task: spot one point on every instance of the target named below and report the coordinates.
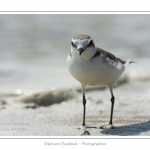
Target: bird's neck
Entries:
(86, 55)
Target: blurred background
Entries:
(34, 48)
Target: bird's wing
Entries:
(111, 56)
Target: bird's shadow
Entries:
(128, 130)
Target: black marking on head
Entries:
(91, 43)
(73, 44)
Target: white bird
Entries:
(92, 66)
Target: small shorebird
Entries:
(91, 66)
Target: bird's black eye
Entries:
(72, 44)
(91, 43)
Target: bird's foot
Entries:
(82, 127)
(106, 126)
(85, 127)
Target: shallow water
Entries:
(34, 48)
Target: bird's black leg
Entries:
(84, 103)
(112, 106)
(110, 125)
(84, 109)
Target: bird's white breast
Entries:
(96, 71)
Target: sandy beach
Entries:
(39, 97)
(58, 112)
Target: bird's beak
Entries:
(81, 50)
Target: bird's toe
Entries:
(106, 126)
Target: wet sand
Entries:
(58, 112)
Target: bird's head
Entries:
(82, 47)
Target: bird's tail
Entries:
(128, 62)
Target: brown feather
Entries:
(81, 37)
(109, 55)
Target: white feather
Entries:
(127, 62)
